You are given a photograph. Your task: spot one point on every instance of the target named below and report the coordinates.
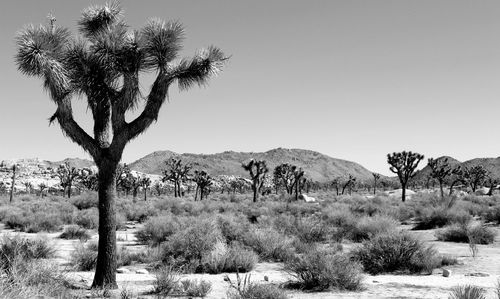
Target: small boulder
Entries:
(266, 278)
(142, 271)
(446, 273)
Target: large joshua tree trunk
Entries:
(403, 192)
(106, 257)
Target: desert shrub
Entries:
(476, 233)
(84, 257)
(166, 281)
(12, 248)
(467, 292)
(139, 211)
(157, 229)
(245, 289)
(33, 222)
(88, 218)
(341, 220)
(229, 259)
(233, 227)
(368, 227)
(188, 246)
(33, 279)
(85, 201)
(195, 288)
(319, 270)
(396, 252)
(269, 244)
(492, 214)
(43, 222)
(438, 217)
(310, 229)
(75, 232)
(447, 260)
(149, 255)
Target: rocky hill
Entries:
(490, 164)
(317, 166)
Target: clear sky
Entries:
(351, 79)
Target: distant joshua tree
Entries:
(28, 186)
(177, 173)
(257, 171)
(68, 176)
(42, 187)
(475, 176)
(404, 164)
(104, 64)
(440, 170)
(13, 183)
(89, 179)
(351, 180)
(457, 176)
(298, 181)
(376, 177)
(144, 182)
(203, 182)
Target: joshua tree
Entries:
(89, 179)
(457, 176)
(440, 170)
(28, 186)
(475, 176)
(492, 182)
(42, 187)
(176, 172)
(158, 187)
(376, 177)
(298, 181)
(203, 182)
(257, 170)
(67, 175)
(284, 174)
(351, 180)
(144, 182)
(104, 64)
(13, 184)
(404, 164)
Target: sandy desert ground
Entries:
(484, 271)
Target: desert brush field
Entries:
(227, 246)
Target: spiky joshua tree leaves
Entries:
(103, 65)
(404, 164)
(257, 170)
(440, 170)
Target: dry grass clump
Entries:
(158, 229)
(467, 292)
(321, 270)
(195, 288)
(245, 289)
(269, 244)
(477, 233)
(25, 272)
(187, 247)
(233, 258)
(88, 218)
(369, 227)
(434, 217)
(396, 252)
(73, 232)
